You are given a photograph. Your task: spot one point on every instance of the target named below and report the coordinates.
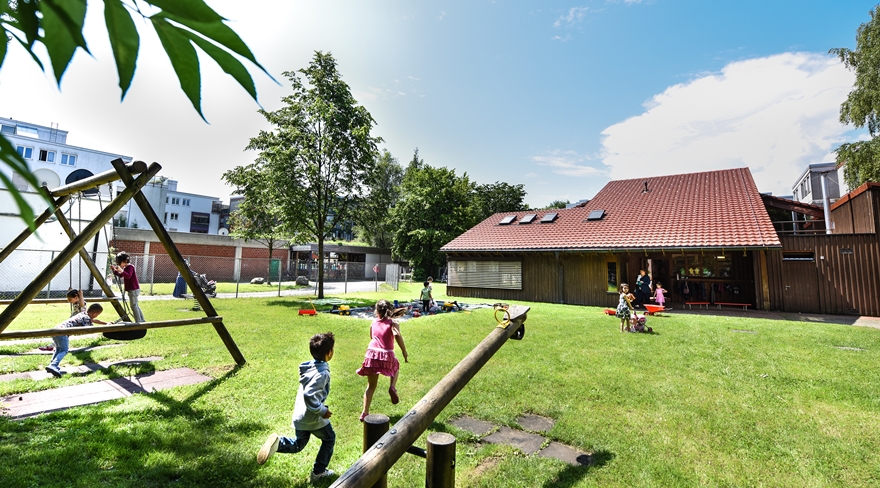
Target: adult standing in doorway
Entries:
(643, 288)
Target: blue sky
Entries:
(558, 96)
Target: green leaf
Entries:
(183, 58)
(62, 26)
(190, 9)
(220, 33)
(229, 64)
(24, 18)
(124, 41)
(4, 44)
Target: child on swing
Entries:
(380, 358)
(624, 307)
(124, 269)
(62, 342)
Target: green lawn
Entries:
(705, 401)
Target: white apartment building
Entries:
(179, 211)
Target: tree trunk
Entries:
(321, 262)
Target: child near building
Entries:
(624, 307)
(426, 297)
(62, 342)
(124, 269)
(659, 294)
(311, 416)
(380, 358)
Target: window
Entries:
(47, 156)
(68, 159)
(26, 152)
(27, 131)
(175, 201)
(174, 216)
(165, 220)
(612, 276)
(199, 222)
(166, 199)
(486, 274)
(7, 129)
(186, 202)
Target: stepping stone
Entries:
(565, 453)
(81, 369)
(525, 442)
(30, 404)
(535, 423)
(474, 426)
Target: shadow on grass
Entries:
(157, 442)
(572, 475)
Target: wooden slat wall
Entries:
(847, 282)
(584, 280)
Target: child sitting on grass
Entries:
(62, 342)
(310, 414)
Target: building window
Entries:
(186, 202)
(47, 156)
(486, 274)
(612, 276)
(7, 129)
(165, 220)
(174, 216)
(68, 159)
(26, 152)
(27, 131)
(200, 222)
(166, 200)
(175, 201)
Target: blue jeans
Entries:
(135, 308)
(62, 344)
(328, 440)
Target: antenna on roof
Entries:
(646, 187)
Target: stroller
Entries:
(638, 323)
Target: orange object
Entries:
(610, 311)
(306, 311)
(652, 309)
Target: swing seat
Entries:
(126, 335)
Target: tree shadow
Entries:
(572, 475)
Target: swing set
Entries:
(120, 331)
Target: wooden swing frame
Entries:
(133, 187)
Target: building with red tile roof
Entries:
(700, 234)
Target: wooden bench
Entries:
(698, 304)
(745, 306)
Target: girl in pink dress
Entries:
(380, 358)
(658, 294)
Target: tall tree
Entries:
(862, 105)
(374, 214)
(320, 153)
(258, 217)
(57, 25)
(434, 209)
(557, 204)
(497, 197)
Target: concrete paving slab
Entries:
(565, 453)
(525, 442)
(535, 423)
(474, 426)
(29, 404)
(80, 369)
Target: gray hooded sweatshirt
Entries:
(314, 386)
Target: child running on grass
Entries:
(311, 416)
(62, 342)
(624, 307)
(380, 358)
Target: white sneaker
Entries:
(314, 478)
(269, 448)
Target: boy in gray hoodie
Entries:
(310, 414)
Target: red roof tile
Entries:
(714, 209)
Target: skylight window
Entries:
(507, 220)
(596, 215)
(527, 219)
(550, 217)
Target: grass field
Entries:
(704, 401)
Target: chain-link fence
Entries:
(157, 274)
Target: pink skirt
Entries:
(379, 361)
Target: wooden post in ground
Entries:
(375, 426)
(176, 258)
(440, 469)
(374, 463)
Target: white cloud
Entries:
(574, 16)
(567, 163)
(775, 114)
